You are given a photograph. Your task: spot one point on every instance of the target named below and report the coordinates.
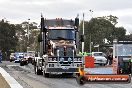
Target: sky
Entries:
(17, 11)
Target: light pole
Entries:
(28, 35)
(90, 33)
(28, 30)
(83, 35)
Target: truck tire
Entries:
(10, 60)
(21, 63)
(45, 74)
(81, 80)
(26, 63)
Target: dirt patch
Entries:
(3, 83)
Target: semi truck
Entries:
(59, 43)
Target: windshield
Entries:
(98, 54)
(61, 34)
(68, 52)
(123, 50)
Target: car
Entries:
(28, 57)
(18, 56)
(12, 57)
(99, 58)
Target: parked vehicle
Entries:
(18, 56)
(28, 58)
(12, 57)
(99, 58)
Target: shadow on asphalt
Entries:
(61, 76)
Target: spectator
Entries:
(110, 58)
(0, 56)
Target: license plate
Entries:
(65, 67)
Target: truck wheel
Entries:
(81, 80)
(26, 62)
(33, 62)
(45, 74)
(21, 63)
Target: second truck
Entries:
(59, 42)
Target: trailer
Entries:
(121, 66)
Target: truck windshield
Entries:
(61, 34)
(98, 54)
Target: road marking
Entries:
(10, 80)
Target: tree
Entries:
(112, 19)
(101, 29)
(23, 42)
(22, 39)
(8, 39)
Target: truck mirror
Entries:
(82, 38)
(77, 22)
(39, 38)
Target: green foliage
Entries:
(13, 37)
(22, 35)
(22, 39)
(128, 37)
(8, 39)
(101, 29)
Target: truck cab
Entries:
(58, 48)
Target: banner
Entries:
(103, 78)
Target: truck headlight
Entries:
(69, 59)
(78, 59)
(54, 59)
(50, 59)
(61, 59)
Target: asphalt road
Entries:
(26, 77)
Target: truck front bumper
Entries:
(62, 70)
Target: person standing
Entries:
(0, 56)
(110, 58)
